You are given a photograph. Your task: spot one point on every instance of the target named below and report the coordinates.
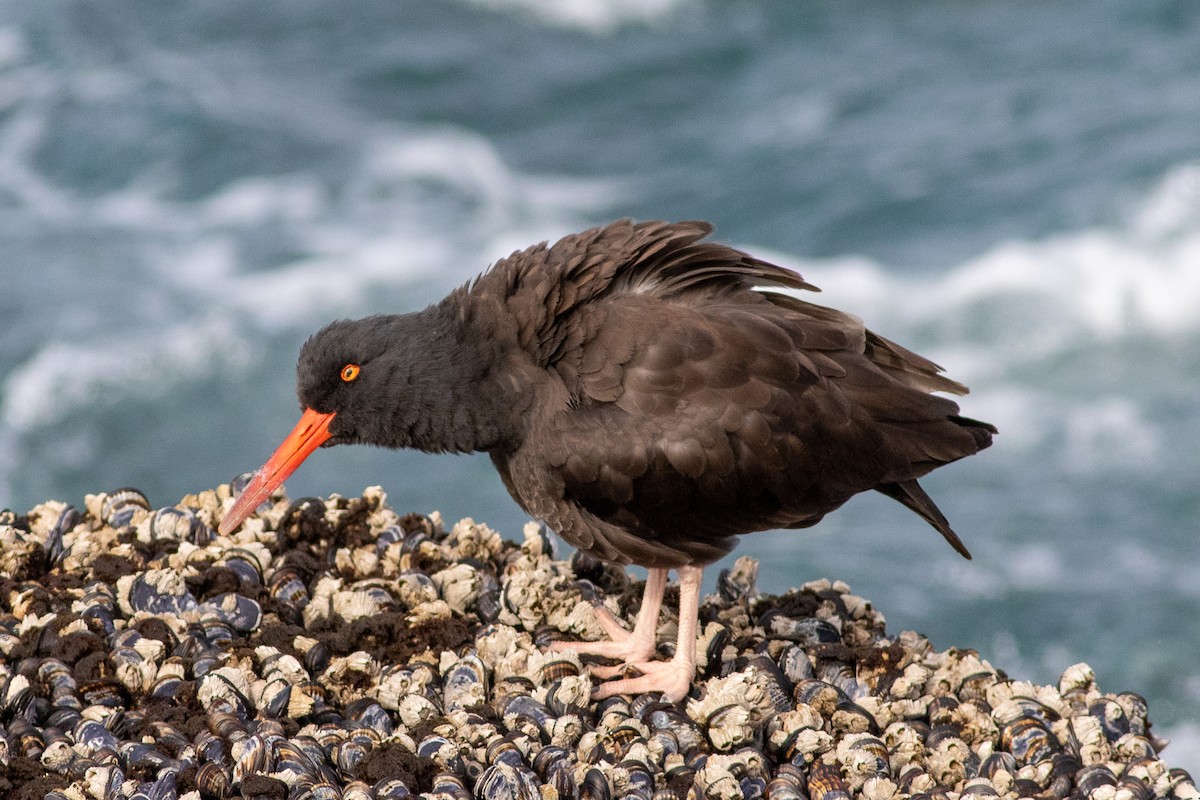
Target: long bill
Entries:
(310, 432)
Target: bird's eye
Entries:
(350, 372)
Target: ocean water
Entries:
(1013, 189)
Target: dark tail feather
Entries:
(912, 495)
(982, 431)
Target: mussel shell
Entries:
(143, 757)
(941, 708)
(65, 717)
(120, 507)
(550, 758)
(1065, 766)
(275, 698)
(316, 658)
(562, 700)
(487, 596)
(1112, 718)
(224, 691)
(103, 692)
(779, 688)
(173, 522)
(808, 631)
(595, 786)
(348, 754)
(795, 663)
(1137, 711)
(227, 726)
(1093, 776)
(825, 782)
(212, 781)
(1029, 739)
(165, 686)
(753, 787)
(1132, 746)
(824, 697)
(246, 568)
(789, 783)
(1136, 788)
(370, 714)
(451, 785)
(387, 537)
(465, 684)
(998, 762)
(555, 667)
(288, 589)
(66, 522)
(322, 790)
(523, 707)
(254, 755)
(243, 614)
(146, 594)
(27, 740)
(503, 750)
(874, 745)
(507, 782)
(391, 789)
(737, 584)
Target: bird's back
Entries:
(680, 407)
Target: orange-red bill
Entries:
(310, 432)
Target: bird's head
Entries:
(342, 380)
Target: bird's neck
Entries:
(458, 399)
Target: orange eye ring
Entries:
(350, 372)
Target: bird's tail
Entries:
(981, 431)
(913, 496)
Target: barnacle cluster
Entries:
(335, 649)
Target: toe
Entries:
(612, 626)
(670, 678)
(607, 649)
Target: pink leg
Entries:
(629, 647)
(673, 678)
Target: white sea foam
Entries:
(1030, 300)
(62, 376)
(1173, 208)
(1036, 298)
(594, 16)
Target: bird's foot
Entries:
(673, 678)
(635, 649)
(623, 645)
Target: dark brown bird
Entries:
(644, 399)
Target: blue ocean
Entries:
(187, 191)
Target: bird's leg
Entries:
(629, 647)
(673, 678)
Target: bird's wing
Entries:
(545, 287)
(688, 425)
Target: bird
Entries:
(648, 393)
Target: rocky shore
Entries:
(332, 648)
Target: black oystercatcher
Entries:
(639, 395)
